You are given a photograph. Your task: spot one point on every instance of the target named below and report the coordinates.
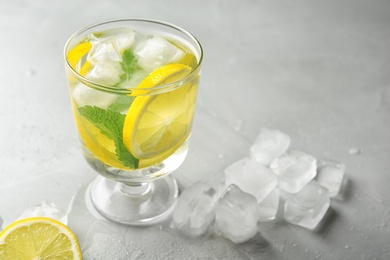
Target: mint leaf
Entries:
(110, 123)
(129, 64)
(122, 103)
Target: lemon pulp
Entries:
(157, 125)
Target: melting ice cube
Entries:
(103, 51)
(105, 73)
(110, 46)
(269, 206)
(330, 175)
(236, 215)
(46, 209)
(134, 81)
(269, 145)
(84, 95)
(294, 169)
(195, 209)
(251, 177)
(123, 40)
(307, 207)
(155, 52)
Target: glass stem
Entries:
(135, 189)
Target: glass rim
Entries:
(104, 87)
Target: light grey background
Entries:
(317, 70)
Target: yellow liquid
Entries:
(103, 147)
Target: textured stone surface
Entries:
(316, 70)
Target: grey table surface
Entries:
(317, 70)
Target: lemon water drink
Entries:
(133, 85)
(133, 94)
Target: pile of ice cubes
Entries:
(251, 189)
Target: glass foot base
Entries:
(141, 204)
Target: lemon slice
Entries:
(75, 55)
(85, 68)
(189, 59)
(98, 143)
(78, 52)
(157, 125)
(38, 238)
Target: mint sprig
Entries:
(129, 64)
(110, 123)
(122, 103)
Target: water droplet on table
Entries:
(355, 151)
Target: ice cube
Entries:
(110, 46)
(236, 215)
(106, 73)
(1, 224)
(134, 81)
(236, 167)
(84, 95)
(195, 209)
(155, 52)
(307, 207)
(251, 177)
(123, 40)
(294, 170)
(269, 145)
(46, 209)
(217, 181)
(269, 206)
(102, 52)
(330, 175)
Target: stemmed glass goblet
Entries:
(133, 85)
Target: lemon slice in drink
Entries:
(74, 56)
(78, 52)
(98, 143)
(157, 125)
(38, 238)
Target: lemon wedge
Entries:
(157, 125)
(38, 238)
